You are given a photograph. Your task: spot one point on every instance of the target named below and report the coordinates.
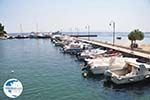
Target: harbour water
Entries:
(48, 74)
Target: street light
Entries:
(77, 31)
(71, 33)
(88, 31)
(61, 31)
(112, 23)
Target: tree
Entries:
(135, 35)
(2, 32)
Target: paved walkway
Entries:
(136, 52)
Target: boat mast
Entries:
(36, 27)
(21, 30)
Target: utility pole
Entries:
(77, 31)
(71, 31)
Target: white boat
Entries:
(37, 35)
(60, 40)
(6, 36)
(76, 47)
(100, 65)
(3, 38)
(91, 53)
(68, 38)
(131, 72)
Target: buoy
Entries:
(12, 71)
(81, 65)
(85, 74)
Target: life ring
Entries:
(147, 76)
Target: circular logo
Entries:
(12, 88)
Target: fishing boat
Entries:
(131, 72)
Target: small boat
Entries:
(21, 37)
(3, 38)
(61, 41)
(131, 72)
(6, 36)
(39, 35)
(56, 33)
(104, 55)
(76, 47)
(90, 53)
(119, 38)
(100, 65)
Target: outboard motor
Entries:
(78, 55)
(107, 75)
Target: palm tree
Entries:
(135, 35)
(2, 32)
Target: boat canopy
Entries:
(136, 64)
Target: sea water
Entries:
(48, 74)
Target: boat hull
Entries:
(128, 80)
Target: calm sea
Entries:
(48, 74)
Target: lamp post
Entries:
(61, 30)
(112, 23)
(71, 31)
(77, 31)
(88, 31)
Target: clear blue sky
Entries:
(52, 15)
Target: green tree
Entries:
(135, 35)
(2, 32)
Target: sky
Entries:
(68, 15)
